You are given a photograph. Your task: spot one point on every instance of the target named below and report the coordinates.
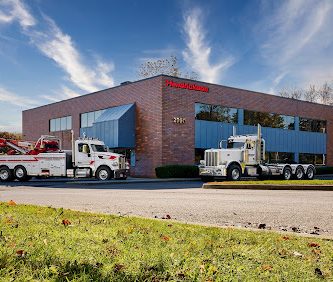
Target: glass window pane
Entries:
(69, 123)
(269, 120)
(52, 125)
(63, 125)
(216, 113)
(84, 120)
(91, 119)
(57, 124)
(98, 114)
(306, 124)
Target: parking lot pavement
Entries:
(298, 211)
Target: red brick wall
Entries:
(178, 139)
(145, 93)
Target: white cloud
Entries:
(198, 52)
(296, 41)
(64, 93)
(8, 97)
(15, 10)
(59, 47)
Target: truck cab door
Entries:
(83, 155)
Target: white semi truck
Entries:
(245, 156)
(88, 158)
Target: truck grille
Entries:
(211, 158)
(122, 162)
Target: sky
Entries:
(52, 50)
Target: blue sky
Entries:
(52, 50)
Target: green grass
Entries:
(100, 247)
(280, 182)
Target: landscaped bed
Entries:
(323, 185)
(48, 244)
(278, 182)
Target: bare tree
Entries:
(322, 95)
(325, 94)
(293, 93)
(167, 66)
(311, 94)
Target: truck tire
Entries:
(5, 174)
(286, 173)
(234, 173)
(299, 173)
(207, 178)
(310, 173)
(20, 173)
(103, 173)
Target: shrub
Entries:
(177, 171)
(324, 170)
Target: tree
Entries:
(322, 95)
(9, 135)
(325, 94)
(167, 66)
(311, 94)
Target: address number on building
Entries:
(179, 120)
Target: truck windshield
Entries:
(99, 148)
(235, 145)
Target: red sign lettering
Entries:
(189, 86)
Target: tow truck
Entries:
(88, 158)
(245, 156)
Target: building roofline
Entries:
(257, 92)
(188, 79)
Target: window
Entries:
(215, 113)
(312, 125)
(80, 148)
(59, 124)
(279, 157)
(269, 120)
(87, 119)
(317, 159)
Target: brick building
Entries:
(168, 120)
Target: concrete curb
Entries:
(157, 180)
(268, 187)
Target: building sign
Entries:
(184, 85)
(179, 120)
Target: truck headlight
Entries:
(115, 163)
(202, 162)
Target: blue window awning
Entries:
(116, 127)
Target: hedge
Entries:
(177, 171)
(324, 170)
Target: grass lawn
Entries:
(48, 244)
(279, 182)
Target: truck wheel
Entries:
(299, 174)
(234, 173)
(20, 173)
(286, 173)
(207, 179)
(310, 173)
(103, 173)
(5, 174)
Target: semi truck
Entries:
(88, 158)
(244, 155)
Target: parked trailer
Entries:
(245, 156)
(88, 158)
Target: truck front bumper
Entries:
(121, 173)
(213, 171)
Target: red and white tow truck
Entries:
(88, 158)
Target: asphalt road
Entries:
(300, 211)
